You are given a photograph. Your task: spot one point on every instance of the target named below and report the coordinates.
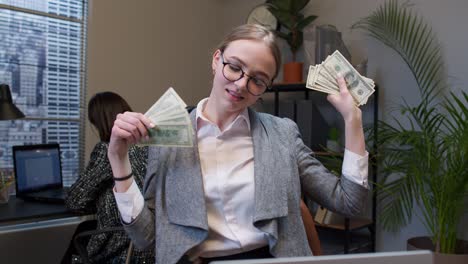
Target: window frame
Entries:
(82, 72)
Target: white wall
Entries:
(448, 20)
(139, 48)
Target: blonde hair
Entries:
(258, 33)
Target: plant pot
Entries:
(460, 256)
(292, 72)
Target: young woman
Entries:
(236, 193)
(92, 192)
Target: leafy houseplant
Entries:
(292, 21)
(425, 160)
(288, 13)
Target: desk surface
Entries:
(42, 230)
(18, 210)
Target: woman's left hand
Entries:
(344, 102)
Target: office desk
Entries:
(36, 232)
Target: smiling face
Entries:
(255, 59)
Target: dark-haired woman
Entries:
(92, 192)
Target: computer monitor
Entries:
(37, 167)
(399, 257)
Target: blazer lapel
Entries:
(184, 186)
(184, 183)
(270, 188)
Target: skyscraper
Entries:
(63, 82)
(41, 60)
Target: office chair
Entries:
(81, 241)
(311, 231)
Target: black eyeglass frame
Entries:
(268, 86)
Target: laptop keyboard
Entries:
(53, 193)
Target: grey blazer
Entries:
(174, 217)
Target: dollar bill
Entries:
(322, 78)
(175, 121)
(336, 64)
(170, 136)
(320, 83)
(169, 100)
(165, 114)
(172, 122)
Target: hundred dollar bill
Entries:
(322, 79)
(357, 85)
(183, 120)
(169, 100)
(173, 125)
(170, 136)
(310, 77)
(172, 113)
(317, 82)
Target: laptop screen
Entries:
(37, 167)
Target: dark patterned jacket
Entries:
(92, 193)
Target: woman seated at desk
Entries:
(92, 192)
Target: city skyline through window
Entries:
(42, 60)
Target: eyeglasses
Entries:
(255, 85)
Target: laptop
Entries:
(400, 257)
(38, 173)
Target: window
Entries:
(39, 43)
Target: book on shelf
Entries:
(326, 217)
(332, 218)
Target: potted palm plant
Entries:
(424, 163)
(292, 22)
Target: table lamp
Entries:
(8, 110)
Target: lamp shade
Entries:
(7, 109)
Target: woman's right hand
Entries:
(129, 128)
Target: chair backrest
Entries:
(81, 240)
(311, 231)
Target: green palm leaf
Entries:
(407, 34)
(425, 158)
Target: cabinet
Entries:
(344, 231)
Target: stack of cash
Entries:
(322, 78)
(173, 127)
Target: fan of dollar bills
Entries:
(173, 127)
(322, 78)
